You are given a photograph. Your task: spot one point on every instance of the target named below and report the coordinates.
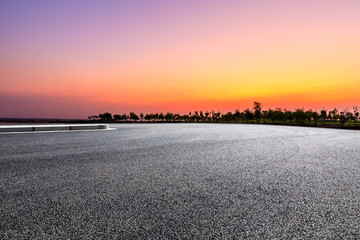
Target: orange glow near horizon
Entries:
(178, 57)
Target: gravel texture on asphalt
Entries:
(181, 181)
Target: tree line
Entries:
(256, 114)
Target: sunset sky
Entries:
(72, 59)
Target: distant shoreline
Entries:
(5, 121)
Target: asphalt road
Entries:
(181, 181)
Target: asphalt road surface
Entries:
(181, 181)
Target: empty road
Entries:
(181, 181)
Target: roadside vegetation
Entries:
(255, 115)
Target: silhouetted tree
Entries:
(117, 117)
(105, 116)
(248, 115)
(125, 117)
(207, 116)
(185, 118)
(177, 117)
(315, 117)
(343, 118)
(323, 115)
(350, 116)
(257, 111)
(309, 115)
(169, 117)
(149, 117)
(333, 115)
(289, 116)
(161, 116)
(356, 112)
(218, 116)
(275, 116)
(201, 115)
(93, 118)
(299, 115)
(133, 116)
(196, 115)
(213, 116)
(227, 117)
(237, 115)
